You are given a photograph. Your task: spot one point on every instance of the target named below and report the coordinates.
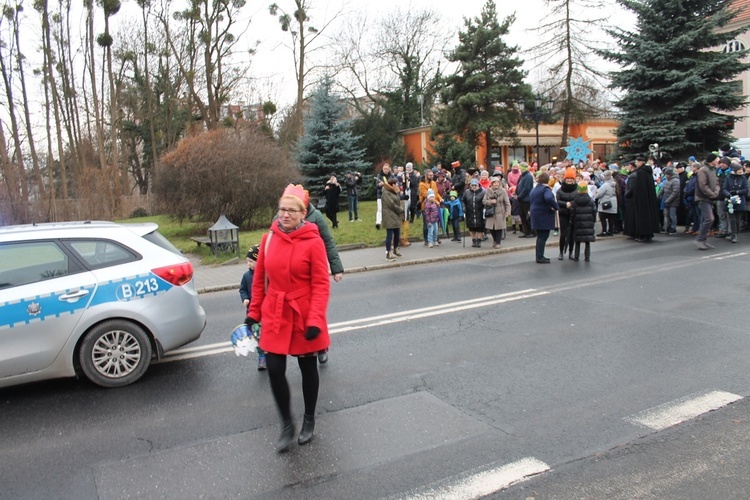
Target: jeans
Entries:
(670, 219)
(353, 207)
(707, 219)
(541, 242)
(432, 232)
(391, 238)
(721, 212)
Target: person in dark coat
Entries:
(583, 220)
(332, 192)
(474, 211)
(523, 193)
(735, 192)
(566, 193)
(542, 209)
(629, 220)
(642, 204)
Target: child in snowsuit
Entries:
(246, 290)
(455, 213)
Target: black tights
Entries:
(308, 366)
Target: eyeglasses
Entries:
(290, 211)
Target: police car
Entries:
(93, 299)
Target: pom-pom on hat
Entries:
(583, 187)
(297, 191)
(252, 254)
(570, 173)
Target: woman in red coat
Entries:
(290, 298)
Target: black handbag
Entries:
(607, 205)
(489, 211)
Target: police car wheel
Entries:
(115, 353)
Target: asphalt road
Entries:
(440, 376)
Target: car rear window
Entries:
(24, 263)
(158, 239)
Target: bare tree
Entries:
(213, 21)
(565, 53)
(397, 57)
(305, 41)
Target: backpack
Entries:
(689, 190)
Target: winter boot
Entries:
(286, 437)
(396, 253)
(308, 426)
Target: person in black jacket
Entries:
(474, 212)
(583, 219)
(332, 192)
(567, 192)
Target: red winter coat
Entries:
(298, 289)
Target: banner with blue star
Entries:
(578, 149)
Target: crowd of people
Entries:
(286, 287)
(638, 198)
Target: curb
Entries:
(391, 265)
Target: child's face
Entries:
(250, 263)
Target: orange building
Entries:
(601, 132)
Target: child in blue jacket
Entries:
(246, 290)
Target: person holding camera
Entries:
(332, 192)
(352, 182)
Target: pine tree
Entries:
(480, 97)
(327, 145)
(678, 84)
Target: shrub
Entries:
(238, 172)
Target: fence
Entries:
(91, 208)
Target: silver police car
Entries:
(97, 299)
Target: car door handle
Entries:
(73, 296)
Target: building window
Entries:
(516, 154)
(734, 46)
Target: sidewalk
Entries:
(227, 276)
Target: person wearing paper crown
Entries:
(290, 298)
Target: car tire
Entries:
(115, 353)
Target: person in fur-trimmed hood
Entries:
(393, 214)
(583, 219)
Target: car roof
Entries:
(71, 229)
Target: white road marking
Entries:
(372, 321)
(485, 483)
(668, 414)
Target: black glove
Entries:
(250, 321)
(312, 332)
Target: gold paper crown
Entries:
(298, 192)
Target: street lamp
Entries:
(542, 111)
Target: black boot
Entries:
(308, 426)
(287, 436)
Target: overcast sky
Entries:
(273, 61)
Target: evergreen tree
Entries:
(678, 83)
(328, 145)
(480, 97)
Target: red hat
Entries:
(570, 173)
